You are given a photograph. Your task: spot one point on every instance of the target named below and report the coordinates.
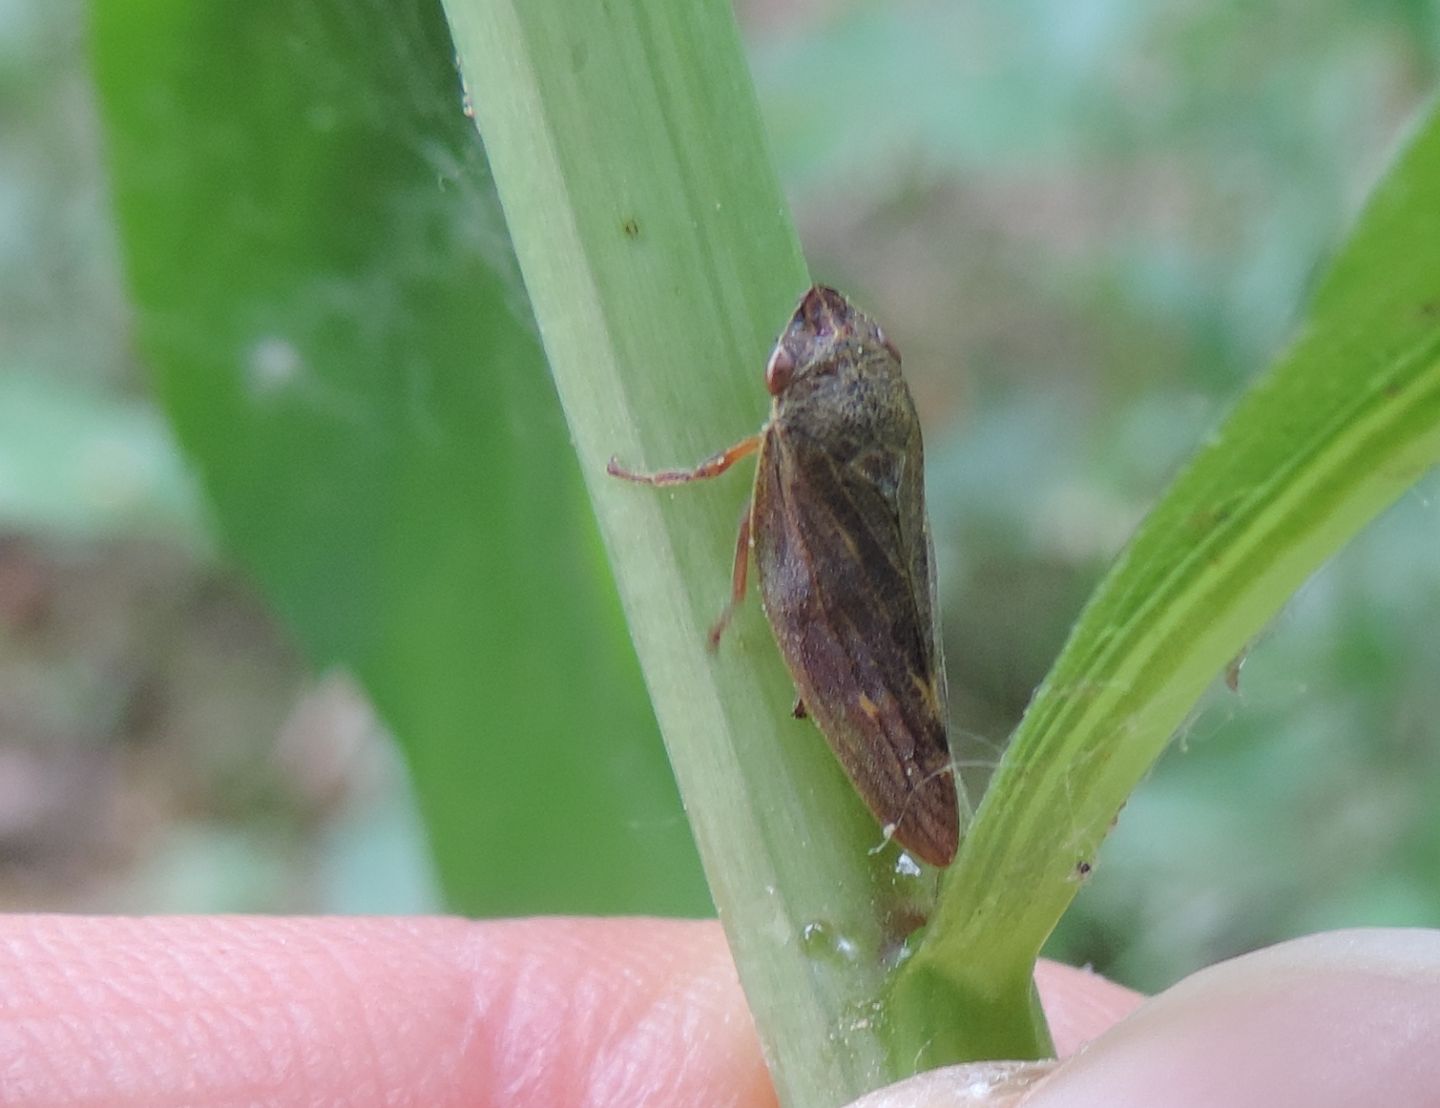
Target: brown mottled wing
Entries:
(843, 557)
(920, 549)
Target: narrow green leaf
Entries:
(1342, 425)
(322, 281)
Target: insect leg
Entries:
(710, 467)
(738, 576)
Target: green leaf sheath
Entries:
(1342, 425)
(661, 265)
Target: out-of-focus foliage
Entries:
(161, 748)
(322, 284)
(1086, 223)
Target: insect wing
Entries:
(919, 551)
(845, 576)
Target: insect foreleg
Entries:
(710, 467)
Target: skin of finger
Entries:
(1346, 1018)
(1338, 1019)
(220, 1010)
(1080, 1004)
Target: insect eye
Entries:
(779, 371)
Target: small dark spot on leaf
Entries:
(631, 228)
(1207, 519)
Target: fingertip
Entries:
(1342, 1018)
(1080, 1004)
(427, 1012)
(633, 1012)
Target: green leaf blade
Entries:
(1344, 423)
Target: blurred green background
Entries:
(1087, 223)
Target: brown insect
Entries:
(842, 547)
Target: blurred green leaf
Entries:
(324, 287)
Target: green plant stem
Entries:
(653, 238)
